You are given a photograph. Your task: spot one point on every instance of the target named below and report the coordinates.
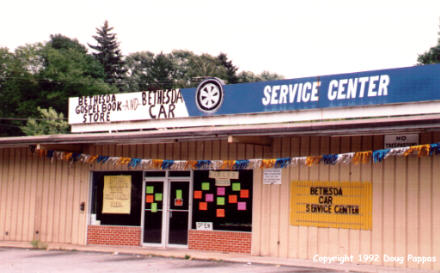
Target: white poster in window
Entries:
(272, 176)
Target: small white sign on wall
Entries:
(396, 141)
(204, 225)
(272, 176)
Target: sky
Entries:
(292, 38)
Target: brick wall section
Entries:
(222, 241)
(114, 235)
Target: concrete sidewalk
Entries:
(216, 256)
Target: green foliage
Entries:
(432, 56)
(18, 86)
(69, 72)
(49, 123)
(183, 68)
(44, 75)
(231, 70)
(247, 76)
(109, 55)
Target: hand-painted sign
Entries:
(331, 204)
(117, 194)
(211, 98)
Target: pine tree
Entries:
(109, 55)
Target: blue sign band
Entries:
(380, 87)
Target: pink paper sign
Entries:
(221, 191)
(209, 197)
(241, 206)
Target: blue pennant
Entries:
(330, 159)
(134, 162)
(434, 149)
(241, 164)
(76, 156)
(203, 164)
(102, 159)
(49, 154)
(379, 155)
(282, 162)
(166, 164)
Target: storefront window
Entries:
(116, 198)
(222, 200)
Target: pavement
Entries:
(188, 254)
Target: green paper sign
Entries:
(205, 186)
(158, 196)
(153, 207)
(220, 201)
(236, 186)
(150, 189)
(178, 194)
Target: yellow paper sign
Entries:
(331, 204)
(116, 194)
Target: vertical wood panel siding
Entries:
(406, 198)
(40, 198)
(39, 194)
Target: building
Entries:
(330, 166)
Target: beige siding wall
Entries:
(37, 194)
(406, 198)
(40, 195)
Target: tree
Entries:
(431, 56)
(109, 55)
(190, 68)
(59, 41)
(138, 71)
(18, 86)
(161, 73)
(49, 123)
(248, 76)
(231, 70)
(69, 72)
(45, 75)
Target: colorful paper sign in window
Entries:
(220, 201)
(149, 198)
(244, 193)
(221, 191)
(203, 206)
(178, 194)
(178, 202)
(150, 189)
(241, 206)
(220, 213)
(158, 196)
(236, 186)
(153, 207)
(232, 198)
(205, 186)
(197, 194)
(209, 197)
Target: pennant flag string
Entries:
(363, 157)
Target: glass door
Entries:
(166, 210)
(178, 213)
(153, 212)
